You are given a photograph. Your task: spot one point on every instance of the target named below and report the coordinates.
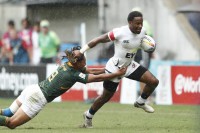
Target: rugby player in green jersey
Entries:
(34, 97)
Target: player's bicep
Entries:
(101, 39)
(95, 70)
(104, 38)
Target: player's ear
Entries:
(130, 22)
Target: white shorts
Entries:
(111, 68)
(32, 100)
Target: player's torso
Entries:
(126, 45)
(58, 82)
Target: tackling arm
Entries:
(102, 77)
(95, 71)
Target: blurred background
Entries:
(34, 34)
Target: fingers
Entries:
(124, 68)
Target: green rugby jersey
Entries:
(61, 80)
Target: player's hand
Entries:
(122, 71)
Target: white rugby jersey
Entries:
(126, 44)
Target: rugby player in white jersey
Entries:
(126, 41)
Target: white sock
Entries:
(140, 100)
(89, 115)
(14, 107)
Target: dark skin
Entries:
(151, 82)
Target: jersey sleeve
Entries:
(114, 34)
(81, 77)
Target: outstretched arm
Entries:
(101, 39)
(102, 77)
(95, 71)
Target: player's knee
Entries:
(12, 124)
(154, 82)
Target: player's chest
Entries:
(129, 41)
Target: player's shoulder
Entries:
(122, 28)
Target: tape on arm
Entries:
(84, 49)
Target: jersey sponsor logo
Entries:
(82, 75)
(130, 55)
(126, 41)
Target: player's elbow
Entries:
(11, 125)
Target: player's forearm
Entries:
(101, 39)
(95, 71)
(102, 77)
(91, 44)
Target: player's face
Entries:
(81, 61)
(136, 25)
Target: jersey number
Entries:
(52, 76)
(129, 55)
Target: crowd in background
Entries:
(32, 44)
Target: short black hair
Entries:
(11, 23)
(133, 14)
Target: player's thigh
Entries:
(21, 98)
(34, 101)
(110, 86)
(19, 118)
(138, 73)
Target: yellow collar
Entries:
(69, 64)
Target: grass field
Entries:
(65, 117)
